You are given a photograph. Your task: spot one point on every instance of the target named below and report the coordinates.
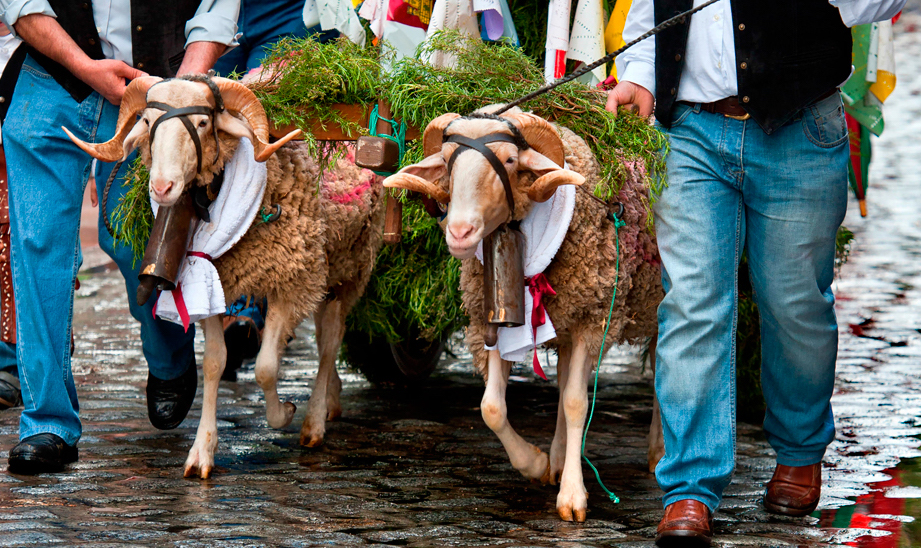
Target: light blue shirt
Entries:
(214, 21)
(710, 63)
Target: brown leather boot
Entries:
(794, 490)
(687, 523)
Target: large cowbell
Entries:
(503, 284)
(166, 249)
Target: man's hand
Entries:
(632, 96)
(108, 78)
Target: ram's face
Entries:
(474, 193)
(173, 155)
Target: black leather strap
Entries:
(479, 145)
(183, 114)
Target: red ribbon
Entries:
(177, 294)
(538, 286)
(180, 306)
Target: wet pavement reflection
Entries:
(417, 467)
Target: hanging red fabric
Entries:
(538, 286)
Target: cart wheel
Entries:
(407, 362)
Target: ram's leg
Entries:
(655, 440)
(558, 447)
(330, 324)
(333, 389)
(526, 458)
(277, 324)
(572, 501)
(201, 456)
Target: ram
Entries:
(491, 172)
(315, 258)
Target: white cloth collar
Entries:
(544, 230)
(199, 289)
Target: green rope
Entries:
(618, 223)
(398, 130)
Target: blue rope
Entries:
(618, 224)
(398, 130)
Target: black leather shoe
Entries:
(242, 339)
(10, 394)
(41, 453)
(168, 402)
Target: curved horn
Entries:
(434, 133)
(133, 101)
(240, 99)
(540, 134)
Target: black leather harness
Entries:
(479, 145)
(183, 114)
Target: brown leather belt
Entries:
(732, 108)
(729, 107)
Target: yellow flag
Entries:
(613, 34)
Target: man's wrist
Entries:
(642, 74)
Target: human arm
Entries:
(859, 12)
(209, 34)
(107, 76)
(636, 66)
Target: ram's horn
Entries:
(133, 101)
(434, 133)
(241, 100)
(540, 134)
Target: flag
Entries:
(614, 32)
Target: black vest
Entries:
(788, 54)
(157, 38)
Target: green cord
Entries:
(618, 223)
(398, 137)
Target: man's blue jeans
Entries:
(780, 198)
(48, 175)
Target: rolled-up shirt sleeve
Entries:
(860, 12)
(12, 10)
(215, 21)
(638, 64)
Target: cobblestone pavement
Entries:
(419, 467)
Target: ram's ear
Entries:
(139, 130)
(431, 168)
(234, 126)
(422, 177)
(550, 176)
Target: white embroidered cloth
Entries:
(199, 287)
(544, 229)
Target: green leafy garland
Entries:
(132, 218)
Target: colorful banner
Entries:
(614, 32)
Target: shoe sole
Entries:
(29, 466)
(788, 511)
(682, 539)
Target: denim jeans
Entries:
(780, 198)
(48, 175)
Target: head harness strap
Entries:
(183, 114)
(479, 145)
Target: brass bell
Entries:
(166, 248)
(503, 284)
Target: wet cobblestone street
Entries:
(418, 467)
